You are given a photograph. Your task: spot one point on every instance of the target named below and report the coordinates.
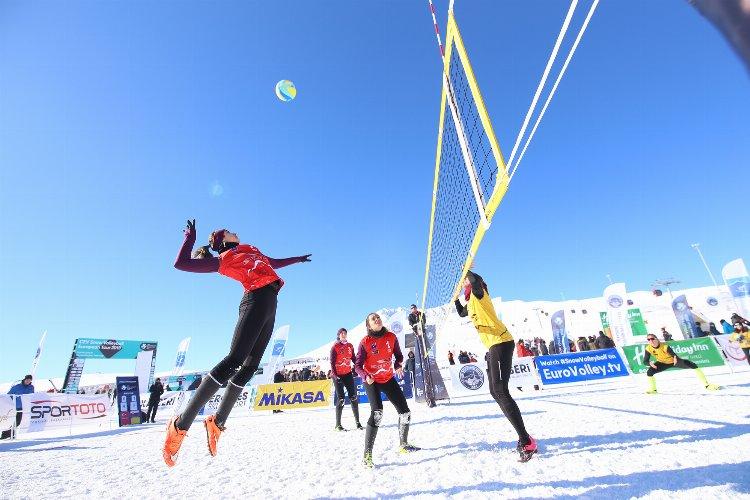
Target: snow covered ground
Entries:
(605, 440)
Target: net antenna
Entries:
(471, 175)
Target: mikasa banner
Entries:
(43, 410)
(615, 297)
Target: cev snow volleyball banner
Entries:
(736, 277)
(617, 314)
(580, 366)
(292, 395)
(43, 410)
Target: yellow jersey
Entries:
(744, 341)
(660, 353)
(491, 330)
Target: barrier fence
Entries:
(68, 412)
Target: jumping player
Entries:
(257, 314)
(665, 358)
(342, 357)
(475, 301)
(375, 366)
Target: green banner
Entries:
(703, 352)
(637, 325)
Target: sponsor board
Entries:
(735, 354)
(405, 383)
(291, 395)
(580, 366)
(701, 351)
(128, 400)
(43, 411)
(472, 378)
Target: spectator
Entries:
(603, 342)
(736, 318)
(552, 347)
(582, 344)
(451, 361)
(472, 358)
(665, 334)
(521, 350)
(278, 378)
(25, 387)
(726, 327)
(742, 336)
(463, 357)
(571, 346)
(592, 343)
(712, 329)
(409, 367)
(543, 347)
(417, 320)
(699, 332)
(155, 392)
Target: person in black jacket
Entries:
(278, 378)
(417, 320)
(603, 342)
(156, 390)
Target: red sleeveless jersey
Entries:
(378, 362)
(344, 357)
(249, 266)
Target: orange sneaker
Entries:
(213, 433)
(172, 442)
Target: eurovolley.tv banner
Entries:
(685, 318)
(736, 278)
(701, 351)
(580, 366)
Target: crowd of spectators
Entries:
(301, 375)
(464, 357)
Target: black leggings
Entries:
(499, 364)
(394, 394)
(746, 350)
(345, 381)
(251, 337)
(660, 367)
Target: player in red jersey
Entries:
(375, 366)
(256, 272)
(342, 357)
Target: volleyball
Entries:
(285, 90)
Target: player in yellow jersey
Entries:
(664, 359)
(475, 301)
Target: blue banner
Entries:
(559, 333)
(580, 366)
(405, 384)
(128, 400)
(685, 318)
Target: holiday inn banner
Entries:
(701, 351)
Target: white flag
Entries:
(615, 296)
(736, 278)
(179, 362)
(38, 353)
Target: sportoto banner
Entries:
(43, 411)
(735, 355)
(580, 366)
(471, 378)
(701, 351)
(292, 395)
(7, 412)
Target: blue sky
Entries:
(119, 119)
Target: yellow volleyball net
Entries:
(471, 177)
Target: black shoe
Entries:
(359, 426)
(339, 428)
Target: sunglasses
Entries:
(651, 338)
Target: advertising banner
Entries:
(278, 343)
(293, 395)
(471, 378)
(701, 351)
(428, 381)
(735, 355)
(43, 410)
(212, 406)
(559, 332)
(580, 366)
(128, 401)
(685, 318)
(405, 384)
(7, 412)
(736, 278)
(179, 362)
(38, 354)
(615, 296)
(637, 325)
